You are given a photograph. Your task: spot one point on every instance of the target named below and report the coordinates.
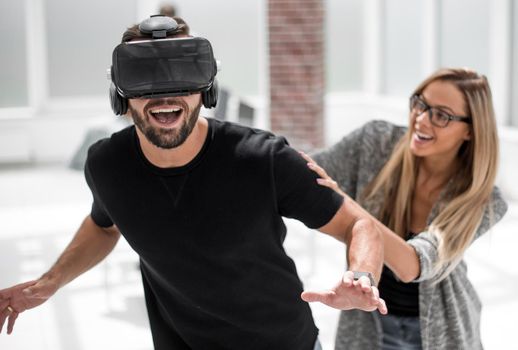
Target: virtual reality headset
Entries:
(165, 67)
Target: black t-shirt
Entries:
(210, 236)
(402, 298)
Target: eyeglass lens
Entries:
(437, 117)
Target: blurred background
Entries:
(312, 70)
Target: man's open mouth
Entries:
(166, 116)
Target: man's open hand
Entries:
(21, 297)
(349, 294)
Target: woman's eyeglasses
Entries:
(437, 116)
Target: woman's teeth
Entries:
(423, 137)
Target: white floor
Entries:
(40, 208)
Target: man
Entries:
(201, 201)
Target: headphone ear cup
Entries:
(209, 98)
(118, 103)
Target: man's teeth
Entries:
(164, 110)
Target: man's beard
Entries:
(162, 137)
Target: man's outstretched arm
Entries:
(364, 253)
(90, 245)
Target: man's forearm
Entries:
(362, 237)
(364, 247)
(364, 254)
(90, 245)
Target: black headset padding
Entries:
(119, 104)
(209, 98)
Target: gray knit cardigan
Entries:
(449, 311)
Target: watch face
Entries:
(358, 274)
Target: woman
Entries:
(431, 186)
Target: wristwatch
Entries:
(358, 274)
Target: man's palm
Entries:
(349, 294)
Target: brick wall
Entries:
(296, 43)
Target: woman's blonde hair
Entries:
(468, 192)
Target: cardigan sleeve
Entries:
(426, 244)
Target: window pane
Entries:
(403, 51)
(13, 67)
(344, 45)
(81, 36)
(465, 38)
(514, 83)
(235, 29)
